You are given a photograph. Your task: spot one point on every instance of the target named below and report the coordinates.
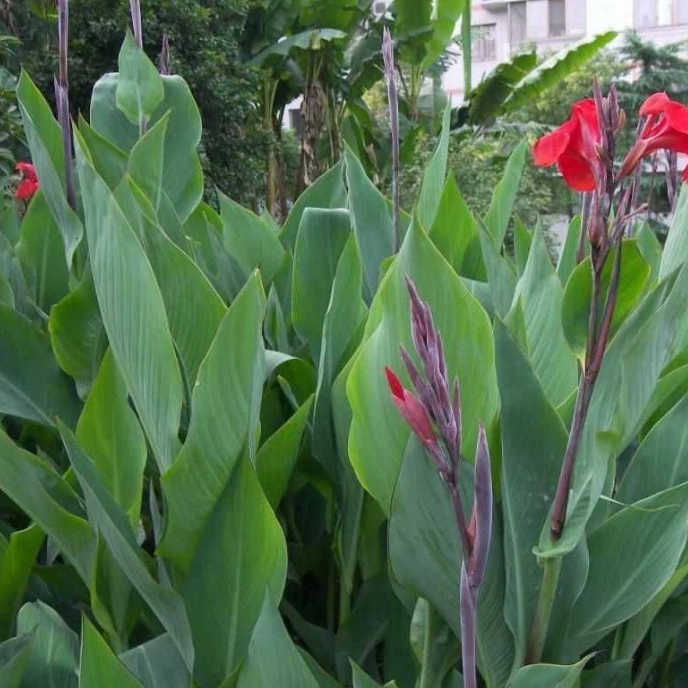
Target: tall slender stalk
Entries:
(393, 104)
(605, 237)
(62, 97)
(136, 24)
(435, 418)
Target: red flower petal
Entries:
(654, 105)
(576, 173)
(26, 190)
(395, 385)
(549, 148)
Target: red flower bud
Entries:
(411, 409)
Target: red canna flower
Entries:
(666, 128)
(29, 181)
(411, 409)
(573, 147)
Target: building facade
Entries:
(504, 27)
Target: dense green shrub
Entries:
(203, 45)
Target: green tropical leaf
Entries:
(14, 657)
(548, 675)
(31, 384)
(54, 652)
(241, 553)
(99, 666)
(133, 313)
(157, 664)
(273, 660)
(224, 416)
(554, 69)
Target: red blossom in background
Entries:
(29, 181)
(411, 409)
(666, 128)
(573, 147)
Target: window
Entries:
(517, 23)
(650, 13)
(484, 43)
(557, 17)
(645, 13)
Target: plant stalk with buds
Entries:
(434, 416)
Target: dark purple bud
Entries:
(136, 25)
(62, 97)
(481, 516)
(165, 68)
(393, 103)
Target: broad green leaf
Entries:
(554, 69)
(646, 342)
(371, 220)
(146, 161)
(608, 675)
(194, 309)
(675, 251)
(487, 97)
(378, 435)
(322, 678)
(424, 546)
(362, 680)
(304, 40)
(446, 14)
(224, 415)
(632, 556)
(112, 523)
(276, 459)
(14, 657)
(250, 239)
(455, 233)
(49, 501)
(320, 242)
(327, 191)
(548, 675)
(139, 89)
(435, 647)
(575, 310)
(567, 259)
(273, 660)
(40, 251)
(539, 295)
(6, 293)
(54, 654)
(110, 433)
(504, 195)
(31, 384)
(430, 192)
(638, 626)
(661, 460)
(133, 313)
(501, 273)
(523, 240)
(44, 137)
(99, 666)
(650, 249)
(109, 160)
(157, 664)
(77, 334)
(413, 19)
(16, 566)
(533, 443)
(342, 331)
(242, 553)
(182, 175)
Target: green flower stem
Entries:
(543, 611)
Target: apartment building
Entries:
(503, 27)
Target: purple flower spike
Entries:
(481, 516)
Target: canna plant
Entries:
(207, 479)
